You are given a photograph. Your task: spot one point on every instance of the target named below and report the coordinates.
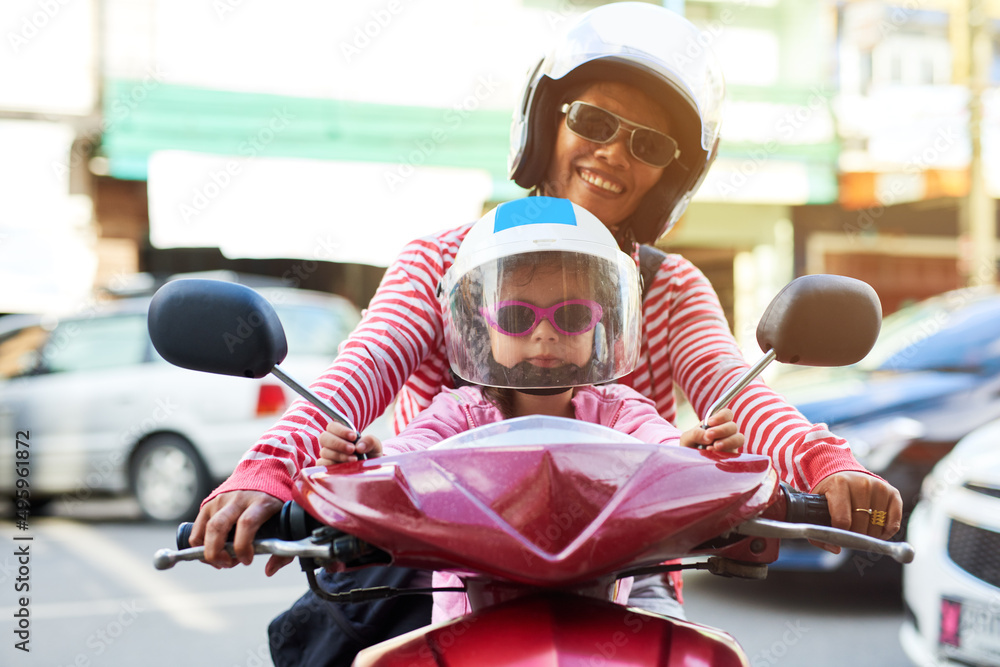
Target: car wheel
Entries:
(168, 478)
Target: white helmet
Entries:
(653, 49)
(539, 297)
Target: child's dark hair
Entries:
(502, 398)
(526, 267)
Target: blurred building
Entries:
(50, 248)
(310, 139)
(900, 220)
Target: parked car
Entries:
(951, 590)
(104, 414)
(932, 378)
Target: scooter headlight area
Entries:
(951, 590)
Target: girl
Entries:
(539, 307)
(533, 330)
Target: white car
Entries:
(99, 412)
(951, 590)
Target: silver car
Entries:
(98, 412)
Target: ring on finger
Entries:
(877, 517)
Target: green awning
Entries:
(146, 116)
(143, 117)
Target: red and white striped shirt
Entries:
(398, 348)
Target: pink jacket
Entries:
(455, 411)
(459, 410)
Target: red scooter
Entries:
(546, 514)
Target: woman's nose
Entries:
(616, 151)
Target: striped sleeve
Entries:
(399, 340)
(688, 342)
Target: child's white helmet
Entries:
(535, 260)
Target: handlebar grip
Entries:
(291, 523)
(806, 508)
(184, 534)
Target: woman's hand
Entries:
(721, 435)
(337, 445)
(862, 504)
(247, 510)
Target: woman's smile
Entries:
(598, 181)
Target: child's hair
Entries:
(502, 398)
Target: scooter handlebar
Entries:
(164, 559)
(807, 516)
(805, 507)
(287, 533)
(291, 523)
(901, 552)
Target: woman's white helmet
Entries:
(558, 239)
(653, 49)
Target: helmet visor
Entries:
(544, 319)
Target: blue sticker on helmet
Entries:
(533, 211)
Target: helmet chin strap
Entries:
(550, 391)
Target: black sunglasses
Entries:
(599, 125)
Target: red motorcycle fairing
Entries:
(543, 515)
(553, 629)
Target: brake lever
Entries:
(164, 559)
(901, 552)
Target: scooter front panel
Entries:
(541, 515)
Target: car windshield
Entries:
(955, 331)
(312, 330)
(75, 345)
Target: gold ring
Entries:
(877, 516)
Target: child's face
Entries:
(544, 346)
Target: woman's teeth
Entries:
(596, 180)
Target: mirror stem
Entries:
(739, 385)
(305, 393)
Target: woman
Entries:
(622, 118)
